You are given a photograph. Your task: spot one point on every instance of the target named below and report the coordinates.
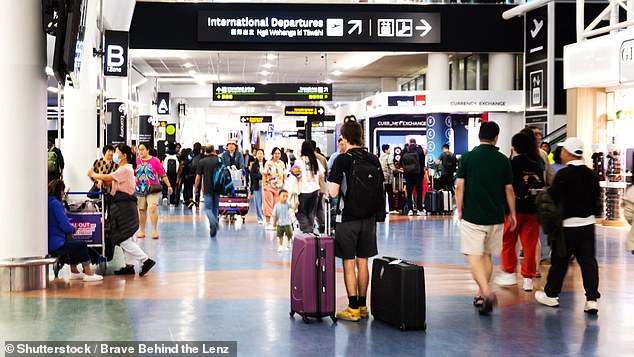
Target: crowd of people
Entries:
(501, 202)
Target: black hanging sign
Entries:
(163, 103)
(254, 119)
(146, 129)
(272, 91)
(117, 129)
(304, 111)
(116, 54)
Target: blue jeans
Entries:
(211, 209)
(257, 201)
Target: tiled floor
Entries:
(235, 287)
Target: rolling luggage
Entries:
(399, 193)
(398, 293)
(431, 203)
(313, 275)
(446, 202)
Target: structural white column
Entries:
(80, 147)
(23, 194)
(501, 71)
(438, 71)
(389, 85)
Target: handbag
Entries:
(155, 188)
(94, 188)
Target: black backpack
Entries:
(450, 164)
(411, 164)
(171, 167)
(364, 195)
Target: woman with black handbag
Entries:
(123, 219)
(149, 174)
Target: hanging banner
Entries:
(438, 134)
(117, 129)
(146, 129)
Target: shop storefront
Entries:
(600, 84)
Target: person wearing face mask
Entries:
(105, 165)
(123, 219)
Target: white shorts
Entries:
(478, 240)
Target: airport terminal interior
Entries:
(88, 84)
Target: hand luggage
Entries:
(446, 198)
(432, 199)
(313, 275)
(398, 293)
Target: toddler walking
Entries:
(282, 221)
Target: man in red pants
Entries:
(527, 178)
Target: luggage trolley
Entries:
(88, 218)
(236, 203)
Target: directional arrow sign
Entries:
(425, 27)
(355, 25)
(304, 111)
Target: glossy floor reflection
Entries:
(235, 287)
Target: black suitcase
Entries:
(398, 294)
(432, 200)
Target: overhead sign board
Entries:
(272, 92)
(304, 111)
(163, 103)
(325, 26)
(536, 34)
(252, 119)
(116, 54)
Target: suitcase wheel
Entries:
(292, 313)
(103, 265)
(402, 327)
(333, 317)
(305, 319)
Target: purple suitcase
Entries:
(313, 277)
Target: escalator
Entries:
(557, 136)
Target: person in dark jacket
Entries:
(576, 188)
(124, 220)
(72, 251)
(255, 174)
(413, 176)
(58, 171)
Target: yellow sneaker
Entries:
(349, 314)
(363, 311)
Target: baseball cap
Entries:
(231, 141)
(573, 145)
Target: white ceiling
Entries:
(353, 75)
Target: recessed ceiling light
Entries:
(52, 89)
(265, 73)
(192, 72)
(265, 82)
(183, 55)
(337, 73)
(268, 65)
(188, 65)
(328, 81)
(271, 56)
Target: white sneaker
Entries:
(165, 202)
(544, 299)
(261, 222)
(528, 284)
(420, 213)
(410, 213)
(280, 248)
(269, 227)
(93, 277)
(76, 276)
(591, 307)
(506, 279)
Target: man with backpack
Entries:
(412, 165)
(55, 162)
(447, 164)
(213, 174)
(358, 177)
(171, 164)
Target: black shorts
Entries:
(356, 239)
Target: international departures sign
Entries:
(272, 92)
(320, 26)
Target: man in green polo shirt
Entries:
(484, 187)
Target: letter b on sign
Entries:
(116, 56)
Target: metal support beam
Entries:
(523, 8)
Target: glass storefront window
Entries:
(471, 64)
(484, 72)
